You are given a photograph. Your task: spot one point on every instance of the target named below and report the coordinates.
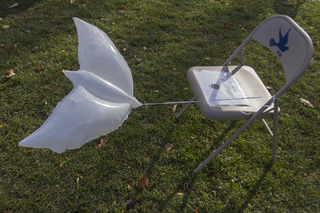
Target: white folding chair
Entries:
(294, 48)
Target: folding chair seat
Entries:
(237, 93)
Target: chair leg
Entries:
(185, 108)
(245, 125)
(275, 129)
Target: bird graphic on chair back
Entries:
(283, 40)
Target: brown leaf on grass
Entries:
(169, 146)
(40, 67)
(5, 26)
(144, 182)
(120, 12)
(156, 211)
(306, 103)
(80, 176)
(122, 6)
(227, 26)
(71, 1)
(103, 142)
(130, 205)
(2, 46)
(10, 74)
(138, 60)
(269, 87)
(177, 24)
(53, 86)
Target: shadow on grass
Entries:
(254, 189)
(288, 8)
(190, 178)
(22, 6)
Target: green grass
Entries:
(177, 35)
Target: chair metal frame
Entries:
(274, 100)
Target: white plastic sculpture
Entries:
(100, 101)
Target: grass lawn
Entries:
(38, 40)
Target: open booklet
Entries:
(220, 88)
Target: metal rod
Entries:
(275, 130)
(185, 108)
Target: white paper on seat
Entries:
(220, 88)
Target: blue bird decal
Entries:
(283, 40)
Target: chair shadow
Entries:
(190, 178)
(253, 191)
(292, 9)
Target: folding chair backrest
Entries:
(287, 40)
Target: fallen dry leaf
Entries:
(40, 67)
(71, 1)
(130, 205)
(144, 48)
(144, 182)
(5, 26)
(306, 103)
(174, 108)
(227, 26)
(14, 5)
(138, 60)
(169, 146)
(53, 86)
(122, 6)
(180, 193)
(10, 74)
(156, 211)
(2, 46)
(268, 87)
(80, 176)
(124, 49)
(103, 142)
(120, 12)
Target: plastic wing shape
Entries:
(101, 100)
